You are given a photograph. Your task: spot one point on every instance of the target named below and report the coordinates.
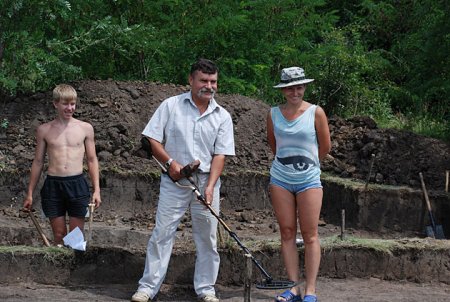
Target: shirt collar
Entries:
(211, 106)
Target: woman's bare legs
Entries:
(284, 206)
(309, 204)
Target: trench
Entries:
(118, 253)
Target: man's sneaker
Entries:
(140, 297)
(208, 298)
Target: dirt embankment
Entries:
(120, 110)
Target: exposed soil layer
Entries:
(120, 110)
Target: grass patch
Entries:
(51, 254)
(384, 245)
(246, 173)
(358, 184)
(428, 124)
(23, 249)
(379, 245)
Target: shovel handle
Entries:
(39, 229)
(91, 218)
(427, 200)
(424, 190)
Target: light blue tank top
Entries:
(297, 150)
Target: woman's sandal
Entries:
(310, 298)
(288, 296)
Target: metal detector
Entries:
(268, 282)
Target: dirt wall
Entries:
(383, 208)
(377, 209)
(112, 265)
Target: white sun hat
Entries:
(292, 76)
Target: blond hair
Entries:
(64, 92)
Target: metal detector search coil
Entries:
(275, 284)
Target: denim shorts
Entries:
(295, 188)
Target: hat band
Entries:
(293, 80)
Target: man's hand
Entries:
(209, 193)
(175, 171)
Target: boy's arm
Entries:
(36, 167)
(92, 162)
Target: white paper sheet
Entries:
(75, 240)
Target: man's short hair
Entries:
(205, 66)
(64, 92)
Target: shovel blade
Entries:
(429, 231)
(437, 233)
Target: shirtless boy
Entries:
(66, 141)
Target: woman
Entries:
(298, 134)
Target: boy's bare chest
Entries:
(67, 137)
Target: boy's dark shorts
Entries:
(61, 195)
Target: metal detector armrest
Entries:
(190, 168)
(145, 145)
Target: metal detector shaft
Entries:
(201, 198)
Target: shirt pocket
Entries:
(208, 133)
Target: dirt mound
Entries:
(120, 110)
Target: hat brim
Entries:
(300, 82)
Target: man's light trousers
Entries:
(172, 205)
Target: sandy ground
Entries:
(337, 290)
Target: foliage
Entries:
(352, 83)
(4, 123)
(413, 36)
(386, 59)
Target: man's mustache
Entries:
(204, 90)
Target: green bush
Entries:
(384, 59)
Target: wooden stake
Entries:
(446, 180)
(248, 278)
(342, 224)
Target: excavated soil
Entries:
(120, 110)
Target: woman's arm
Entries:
(323, 133)
(270, 135)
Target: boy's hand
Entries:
(27, 203)
(96, 199)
